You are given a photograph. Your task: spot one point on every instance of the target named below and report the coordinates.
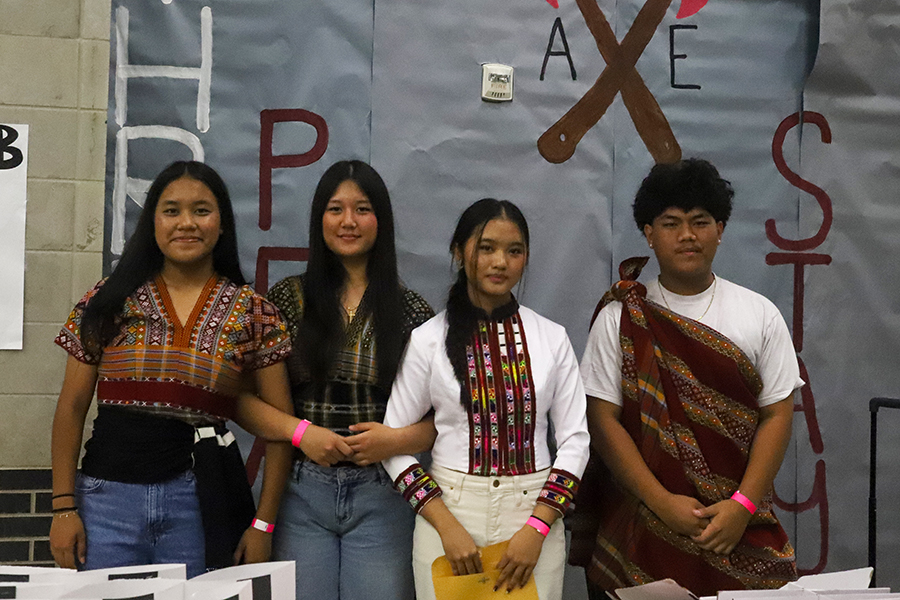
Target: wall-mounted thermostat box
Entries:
(496, 83)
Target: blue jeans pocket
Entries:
(383, 477)
(85, 484)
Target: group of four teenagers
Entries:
(354, 370)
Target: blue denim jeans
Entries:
(141, 524)
(349, 532)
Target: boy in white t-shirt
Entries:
(690, 383)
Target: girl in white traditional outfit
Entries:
(496, 375)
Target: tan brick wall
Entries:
(54, 64)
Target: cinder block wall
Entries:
(54, 64)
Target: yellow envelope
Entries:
(448, 586)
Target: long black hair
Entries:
(461, 318)
(142, 259)
(321, 331)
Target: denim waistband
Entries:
(340, 472)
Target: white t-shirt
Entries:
(748, 319)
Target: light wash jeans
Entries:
(141, 524)
(349, 532)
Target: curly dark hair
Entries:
(686, 184)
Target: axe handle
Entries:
(558, 143)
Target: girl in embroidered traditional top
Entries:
(166, 341)
(496, 374)
(349, 317)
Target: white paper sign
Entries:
(13, 177)
(36, 591)
(218, 590)
(41, 575)
(165, 571)
(269, 581)
(131, 589)
(853, 579)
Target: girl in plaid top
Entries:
(167, 341)
(342, 522)
(496, 375)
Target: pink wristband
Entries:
(262, 525)
(744, 501)
(298, 433)
(541, 527)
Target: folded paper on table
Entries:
(877, 594)
(845, 585)
(11, 574)
(218, 590)
(841, 580)
(130, 589)
(39, 591)
(73, 580)
(779, 594)
(664, 589)
(268, 581)
(448, 586)
(175, 571)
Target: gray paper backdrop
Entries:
(398, 84)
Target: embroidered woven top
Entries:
(522, 374)
(190, 371)
(351, 394)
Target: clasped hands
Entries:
(717, 528)
(372, 443)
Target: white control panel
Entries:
(496, 82)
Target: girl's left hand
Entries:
(255, 547)
(520, 558)
(372, 443)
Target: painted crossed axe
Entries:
(558, 143)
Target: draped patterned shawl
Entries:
(689, 403)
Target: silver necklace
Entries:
(711, 298)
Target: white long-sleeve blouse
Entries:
(523, 376)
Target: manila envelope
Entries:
(448, 586)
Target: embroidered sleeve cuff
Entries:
(274, 349)
(70, 342)
(559, 491)
(417, 486)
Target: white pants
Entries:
(491, 509)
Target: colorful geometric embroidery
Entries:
(156, 363)
(502, 408)
(559, 491)
(417, 486)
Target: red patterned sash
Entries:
(689, 403)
